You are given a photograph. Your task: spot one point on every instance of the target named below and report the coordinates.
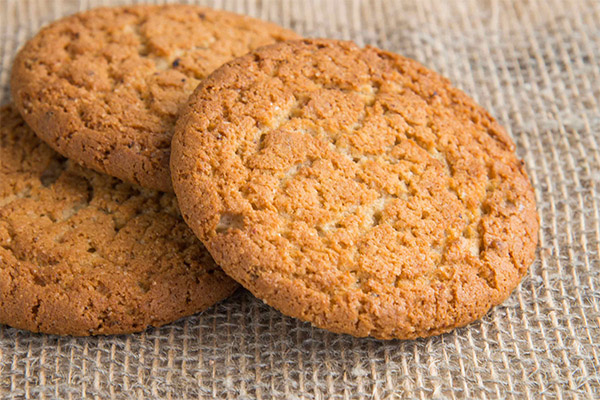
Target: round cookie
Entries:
(83, 253)
(355, 189)
(104, 87)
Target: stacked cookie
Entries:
(345, 186)
(82, 252)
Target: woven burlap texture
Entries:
(535, 66)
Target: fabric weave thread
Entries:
(535, 65)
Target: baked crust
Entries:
(355, 189)
(104, 87)
(83, 253)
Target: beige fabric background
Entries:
(536, 66)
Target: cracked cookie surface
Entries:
(355, 189)
(104, 87)
(84, 253)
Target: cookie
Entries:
(355, 189)
(83, 253)
(103, 87)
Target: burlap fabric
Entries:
(536, 66)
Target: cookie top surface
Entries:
(355, 189)
(104, 87)
(83, 253)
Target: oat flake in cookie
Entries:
(355, 189)
(103, 87)
(83, 253)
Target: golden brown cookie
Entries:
(103, 87)
(83, 253)
(355, 189)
